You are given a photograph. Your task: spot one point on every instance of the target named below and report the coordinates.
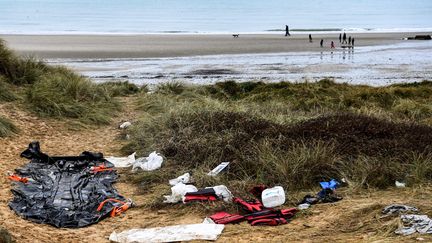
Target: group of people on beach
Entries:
(342, 39)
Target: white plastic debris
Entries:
(223, 193)
(399, 184)
(178, 191)
(208, 220)
(273, 197)
(415, 223)
(152, 162)
(125, 125)
(174, 233)
(303, 206)
(122, 161)
(218, 169)
(185, 178)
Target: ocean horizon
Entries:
(212, 17)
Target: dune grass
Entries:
(289, 134)
(58, 92)
(65, 94)
(7, 128)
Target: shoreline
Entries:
(182, 45)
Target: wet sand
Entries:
(176, 45)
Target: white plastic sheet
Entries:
(174, 233)
(152, 162)
(122, 161)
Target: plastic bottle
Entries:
(273, 197)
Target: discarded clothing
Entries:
(398, 208)
(122, 162)
(201, 195)
(256, 213)
(250, 206)
(332, 184)
(185, 178)
(150, 163)
(178, 192)
(415, 223)
(270, 217)
(326, 195)
(70, 191)
(218, 169)
(175, 233)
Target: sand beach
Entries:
(175, 45)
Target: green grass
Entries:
(65, 94)
(57, 92)
(291, 134)
(7, 128)
(5, 236)
(122, 88)
(6, 91)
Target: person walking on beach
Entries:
(349, 40)
(310, 38)
(332, 45)
(344, 39)
(340, 38)
(321, 42)
(287, 33)
(352, 42)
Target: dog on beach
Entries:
(236, 35)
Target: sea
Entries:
(211, 16)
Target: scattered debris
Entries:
(399, 184)
(303, 206)
(125, 125)
(122, 162)
(256, 213)
(67, 191)
(202, 195)
(152, 162)
(218, 169)
(398, 209)
(273, 197)
(326, 195)
(223, 193)
(415, 223)
(178, 193)
(185, 178)
(174, 233)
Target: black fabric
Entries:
(64, 191)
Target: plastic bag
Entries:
(178, 191)
(122, 161)
(152, 162)
(222, 192)
(185, 178)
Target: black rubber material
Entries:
(63, 191)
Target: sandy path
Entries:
(140, 46)
(354, 219)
